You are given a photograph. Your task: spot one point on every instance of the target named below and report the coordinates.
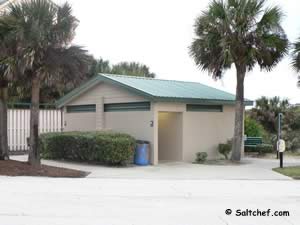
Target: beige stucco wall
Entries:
(99, 95)
(79, 121)
(137, 124)
(134, 123)
(201, 131)
(109, 93)
(170, 136)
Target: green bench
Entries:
(252, 142)
(255, 144)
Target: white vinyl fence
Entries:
(18, 126)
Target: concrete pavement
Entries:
(167, 194)
(48, 201)
(249, 169)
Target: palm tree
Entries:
(44, 32)
(296, 59)
(242, 33)
(3, 115)
(7, 73)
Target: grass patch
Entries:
(296, 153)
(291, 171)
(288, 154)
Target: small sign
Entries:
(151, 123)
(281, 145)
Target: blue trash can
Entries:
(141, 155)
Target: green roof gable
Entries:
(158, 90)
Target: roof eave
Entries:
(201, 101)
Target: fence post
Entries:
(62, 119)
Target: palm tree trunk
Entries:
(34, 155)
(3, 121)
(239, 114)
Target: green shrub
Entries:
(201, 157)
(264, 148)
(225, 149)
(250, 149)
(261, 148)
(104, 147)
(253, 128)
(114, 150)
(292, 139)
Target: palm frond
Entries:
(62, 65)
(241, 32)
(63, 30)
(296, 59)
(296, 56)
(270, 19)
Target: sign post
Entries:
(279, 132)
(281, 149)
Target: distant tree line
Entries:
(122, 68)
(18, 92)
(263, 119)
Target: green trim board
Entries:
(126, 107)
(25, 105)
(81, 108)
(204, 108)
(157, 90)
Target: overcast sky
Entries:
(158, 34)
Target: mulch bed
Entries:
(17, 168)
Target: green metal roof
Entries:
(158, 90)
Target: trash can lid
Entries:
(142, 142)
